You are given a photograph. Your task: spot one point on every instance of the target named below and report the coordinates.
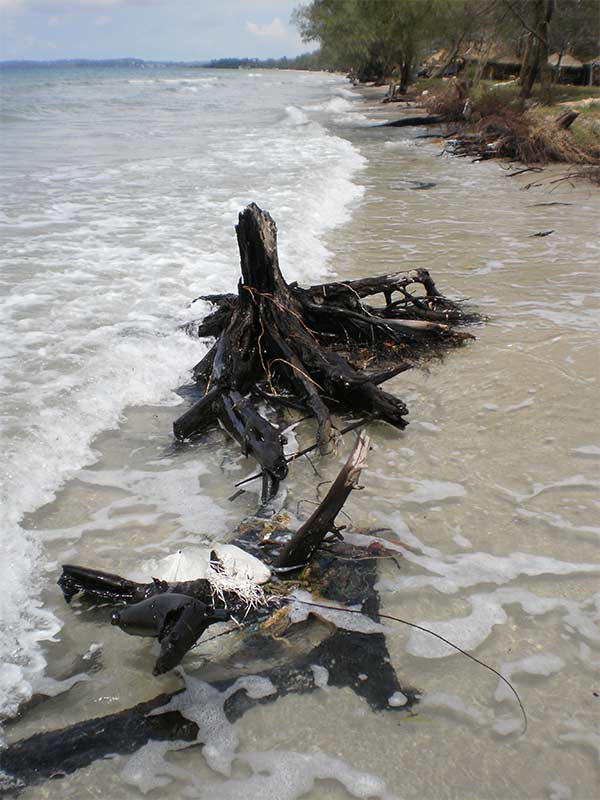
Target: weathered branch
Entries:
(310, 535)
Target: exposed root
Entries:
(306, 347)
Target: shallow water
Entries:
(491, 492)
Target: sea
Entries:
(120, 189)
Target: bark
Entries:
(535, 61)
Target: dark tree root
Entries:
(178, 613)
(346, 655)
(308, 348)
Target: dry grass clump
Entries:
(449, 101)
(522, 137)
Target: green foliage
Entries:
(373, 38)
(378, 39)
(309, 61)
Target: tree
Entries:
(576, 28)
(534, 17)
(373, 38)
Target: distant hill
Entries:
(304, 61)
(105, 62)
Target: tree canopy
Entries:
(378, 39)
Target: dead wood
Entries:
(405, 122)
(566, 119)
(308, 348)
(303, 544)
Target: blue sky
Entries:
(151, 29)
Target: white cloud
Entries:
(12, 5)
(102, 22)
(59, 6)
(275, 28)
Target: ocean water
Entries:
(122, 193)
(120, 189)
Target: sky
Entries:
(169, 30)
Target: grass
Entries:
(559, 93)
(521, 130)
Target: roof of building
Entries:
(567, 61)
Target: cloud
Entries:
(275, 29)
(64, 6)
(12, 5)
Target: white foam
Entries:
(504, 726)
(203, 704)
(463, 570)
(466, 632)
(285, 775)
(588, 450)
(452, 703)
(342, 110)
(487, 610)
(559, 791)
(578, 734)
(147, 769)
(295, 116)
(433, 491)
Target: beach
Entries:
(490, 493)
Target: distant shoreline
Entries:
(299, 63)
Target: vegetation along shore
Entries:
(513, 78)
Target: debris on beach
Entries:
(319, 349)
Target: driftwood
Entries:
(346, 655)
(516, 138)
(337, 571)
(308, 348)
(406, 122)
(319, 349)
(178, 613)
(566, 119)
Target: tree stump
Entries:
(308, 347)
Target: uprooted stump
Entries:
(309, 348)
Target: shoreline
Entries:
(481, 424)
(371, 98)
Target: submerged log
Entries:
(298, 346)
(346, 655)
(405, 122)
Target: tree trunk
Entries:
(529, 67)
(535, 61)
